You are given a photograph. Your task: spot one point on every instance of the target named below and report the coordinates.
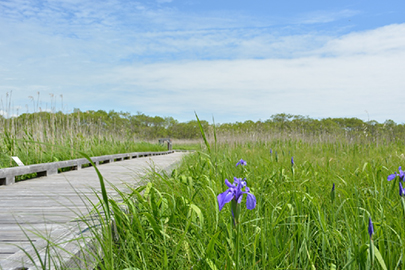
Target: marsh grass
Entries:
(175, 223)
(61, 136)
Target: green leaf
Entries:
(203, 134)
(102, 185)
(152, 222)
(379, 258)
(211, 264)
(199, 214)
(210, 247)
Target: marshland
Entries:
(271, 104)
(318, 185)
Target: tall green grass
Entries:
(174, 222)
(39, 140)
(49, 137)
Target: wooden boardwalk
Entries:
(49, 205)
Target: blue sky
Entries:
(232, 60)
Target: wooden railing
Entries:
(7, 175)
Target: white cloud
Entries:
(127, 31)
(346, 84)
(389, 39)
(158, 60)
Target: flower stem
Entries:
(403, 222)
(237, 245)
(235, 207)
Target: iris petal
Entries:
(391, 176)
(224, 197)
(250, 201)
(229, 183)
(370, 227)
(401, 173)
(241, 162)
(238, 190)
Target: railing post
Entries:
(8, 180)
(52, 171)
(169, 145)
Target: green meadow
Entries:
(49, 137)
(174, 221)
(299, 221)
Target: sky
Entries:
(230, 60)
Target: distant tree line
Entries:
(91, 123)
(142, 126)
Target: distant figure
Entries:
(169, 142)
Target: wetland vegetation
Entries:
(318, 184)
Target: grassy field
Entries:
(174, 222)
(50, 137)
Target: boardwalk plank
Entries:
(49, 205)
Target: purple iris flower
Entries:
(401, 190)
(370, 227)
(401, 175)
(292, 160)
(241, 162)
(234, 192)
(271, 151)
(333, 193)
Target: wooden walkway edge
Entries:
(48, 206)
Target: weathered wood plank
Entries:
(48, 206)
(7, 175)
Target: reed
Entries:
(174, 222)
(48, 137)
(312, 213)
